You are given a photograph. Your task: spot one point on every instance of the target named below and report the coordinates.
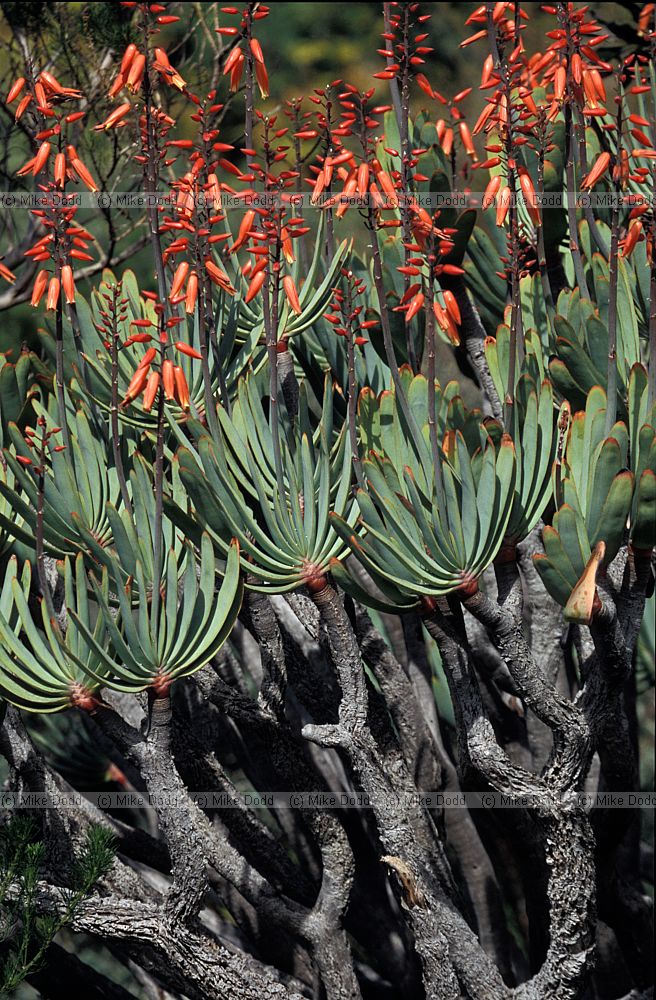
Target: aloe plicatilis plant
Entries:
(342, 505)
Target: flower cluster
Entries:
(196, 210)
(39, 440)
(246, 54)
(54, 164)
(267, 232)
(345, 316)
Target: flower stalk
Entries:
(114, 403)
(570, 154)
(59, 364)
(436, 451)
(611, 376)
(44, 585)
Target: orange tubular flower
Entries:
(114, 118)
(327, 170)
(350, 189)
(319, 185)
(452, 307)
(214, 189)
(287, 246)
(192, 292)
(600, 167)
(26, 168)
(494, 161)
(633, 237)
(473, 38)
(168, 379)
(147, 359)
(7, 274)
(128, 57)
(447, 142)
(245, 227)
(186, 349)
(40, 95)
(256, 283)
(503, 205)
(117, 86)
(465, 136)
(53, 293)
(256, 49)
(362, 181)
(60, 169)
(150, 392)
(528, 191)
(598, 84)
(164, 66)
(55, 87)
(386, 183)
(621, 170)
(487, 71)
(22, 107)
(237, 71)
(181, 387)
(641, 137)
(414, 307)
(291, 293)
(424, 85)
(136, 385)
(218, 276)
(589, 89)
(446, 323)
(80, 169)
(41, 158)
(486, 113)
(39, 287)
(137, 69)
(560, 82)
(68, 283)
(232, 60)
(646, 14)
(15, 89)
(179, 277)
(262, 78)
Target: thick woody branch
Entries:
(184, 823)
(477, 740)
(569, 850)
(186, 961)
(346, 656)
(320, 925)
(568, 723)
(571, 882)
(264, 626)
(419, 749)
(448, 949)
(154, 759)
